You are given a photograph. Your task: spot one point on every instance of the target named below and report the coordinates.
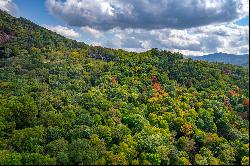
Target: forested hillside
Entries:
(64, 102)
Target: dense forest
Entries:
(65, 102)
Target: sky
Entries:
(192, 27)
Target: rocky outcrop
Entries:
(5, 37)
(100, 53)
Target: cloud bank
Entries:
(192, 27)
(8, 6)
(65, 31)
(229, 38)
(147, 14)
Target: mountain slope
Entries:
(20, 33)
(224, 58)
(64, 102)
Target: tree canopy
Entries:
(64, 102)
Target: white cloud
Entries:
(8, 6)
(65, 31)
(229, 38)
(193, 27)
(95, 33)
(147, 14)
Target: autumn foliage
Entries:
(233, 93)
(159, 93)
(246, 102)
(113, 80)
(157, 86)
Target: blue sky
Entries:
(243, 22)
(191, 27)
(36, 11)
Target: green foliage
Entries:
(10, 158)
(37, 159)
(24, 111)
(245, 160)
(84, 151)
(136, 122)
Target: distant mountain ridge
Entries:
(239, 60)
